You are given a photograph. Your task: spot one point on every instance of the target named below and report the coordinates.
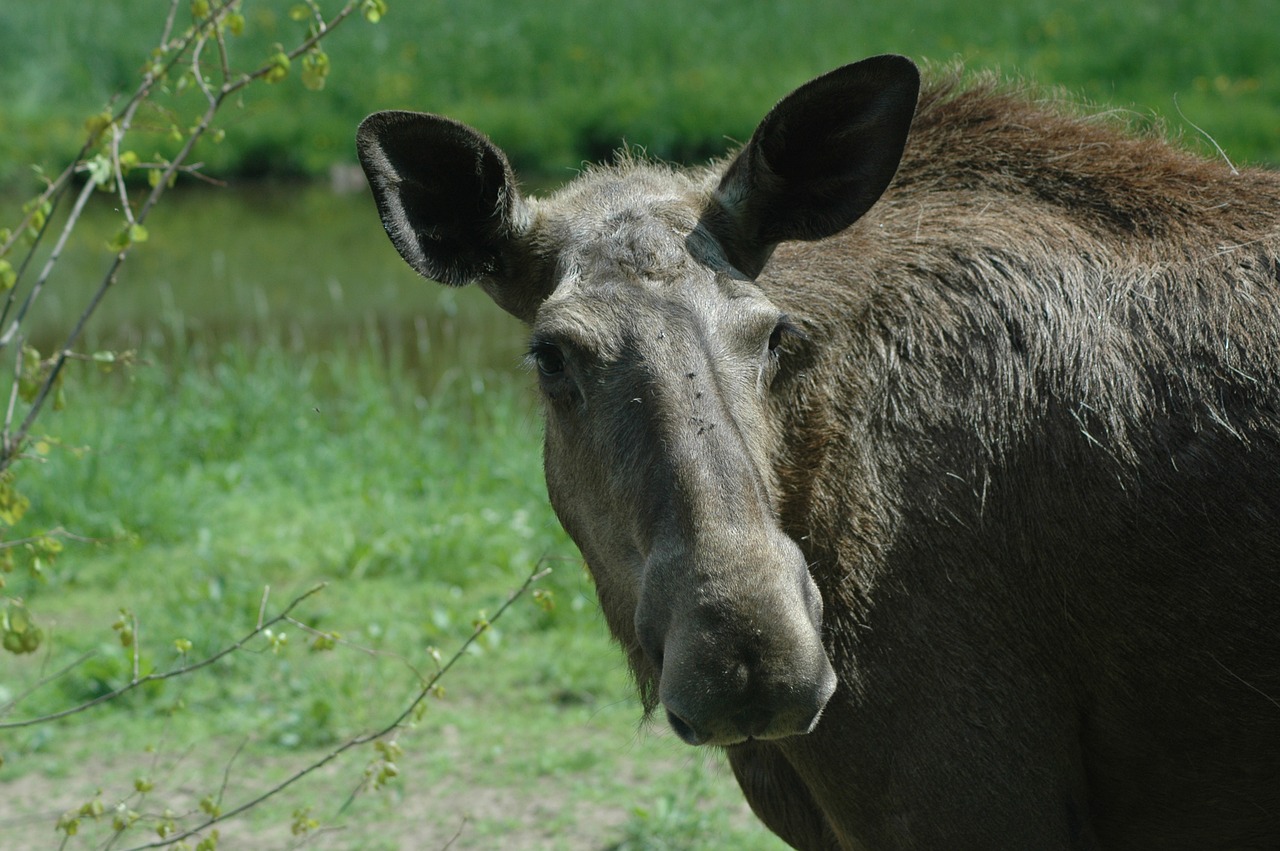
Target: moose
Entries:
(925, 452)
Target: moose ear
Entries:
(817, 162)
(448, 200)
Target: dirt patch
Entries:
(452, 792)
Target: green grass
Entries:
(557, 83)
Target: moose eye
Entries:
(547, 358)
(781, 331)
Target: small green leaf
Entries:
(96, 125)
(13, 505)
(31, 376)
(209, 805)
(235, 24)
(21, 634)
(277, 66)
(68, 824)
(99, 169)
(325, 641)
(120, 241)
(8, 277)
(299, 12)
(38, 209)
(315, 69)
(303, 823)
(16, 618)
(373, 10)
(124, 629)
(127, 236)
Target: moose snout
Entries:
(741, 656)
(702, 709)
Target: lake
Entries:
(299, 265)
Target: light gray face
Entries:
(656, 367)
(656, 354)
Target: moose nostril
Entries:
(684, 730)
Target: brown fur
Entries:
(1021, 423)
(1058, 349)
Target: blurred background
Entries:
(558, 82)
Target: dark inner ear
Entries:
(831, 168)
(445, 194)
(818, 161)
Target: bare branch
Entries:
(136, 646)
(47, 270)
(59, 532)
(44, 681)
(138, 681)
(322, 30)
(7, 448)
(395, 724)
(456, 834)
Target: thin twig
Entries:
(52, 195)
(262, 605)
(121, 125)
(47, 270)
(44, 681)
(7, 448)
(223, 59)
(137, 681)
(226, 772)
(356, 741)
(118, 173)
(456, 834)
(136, 646)
(57, 532)
(195, 41)
(359, 648)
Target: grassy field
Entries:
(556, 83)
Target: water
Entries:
(294, 265)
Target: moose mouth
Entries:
(753, 725)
